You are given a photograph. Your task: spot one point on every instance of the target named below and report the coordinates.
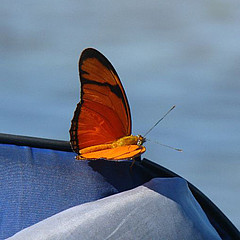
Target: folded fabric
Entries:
(37, 183)
(163, 208)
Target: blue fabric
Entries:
(159, 209)
(38, 183)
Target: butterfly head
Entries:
(140, 140)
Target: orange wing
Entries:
(103, 114)
(122, 152)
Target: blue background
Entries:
(165, 52)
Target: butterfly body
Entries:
(101, 126)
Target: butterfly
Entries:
(101, 126)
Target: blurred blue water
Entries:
(165, 52)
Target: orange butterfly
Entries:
(101, 125)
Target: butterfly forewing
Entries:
(103, 114)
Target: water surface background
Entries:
(183, 53)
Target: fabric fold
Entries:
(163, 208)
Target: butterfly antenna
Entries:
(164, 145)
(159, 120)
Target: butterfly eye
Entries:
(140, 140)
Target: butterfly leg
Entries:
(79, 157)
(133, 161)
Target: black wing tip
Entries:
(90, 51)
(94, 53)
